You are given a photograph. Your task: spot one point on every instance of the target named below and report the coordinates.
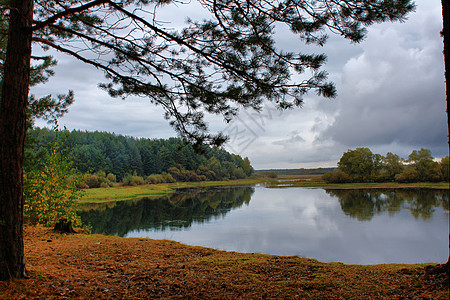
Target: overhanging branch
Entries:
(54, 18)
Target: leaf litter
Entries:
(84, 266)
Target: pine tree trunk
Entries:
(446, 36)
(12, 137)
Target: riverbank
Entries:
(120, 193)
(365, 185)
(86, 266)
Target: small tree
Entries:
(51, 193)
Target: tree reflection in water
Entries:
(175, 211)
(364, 204)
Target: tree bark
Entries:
(446, 37)
(12, 137)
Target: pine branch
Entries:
(69, 11)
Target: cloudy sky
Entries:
(391, 98)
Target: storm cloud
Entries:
(391, 97)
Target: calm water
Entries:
(350, 226)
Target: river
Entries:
(373, 226)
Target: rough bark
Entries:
(446, 37)
(12, 138)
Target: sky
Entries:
(391, 98)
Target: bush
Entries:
(168, 178)
(82, 185)
(111, 177)
(155, 179)
(104, 185)
(190, 176)
(272, 174)
(92, 181)
(133, 180)
(207, 173)
(336, 177)
(239, 173)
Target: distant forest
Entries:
(108, 153)
(314, 171)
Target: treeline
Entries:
(361, 165)
(109, 158)
(295, 172)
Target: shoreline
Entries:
(123, 193)
(84, 266)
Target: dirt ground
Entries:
(83, 266)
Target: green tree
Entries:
(445, 167)
(358, 164)
(407, 175)
(47, 108)
(392, 165)
(215, 166)
(229, 60)
(164, 159)
(247, 167)
(422, 162)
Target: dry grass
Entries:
(81, 266)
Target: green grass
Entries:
(121, 193)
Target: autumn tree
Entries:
(392, 165)
(360, 164)
(424, 165)
(51, 192)
(217, 65)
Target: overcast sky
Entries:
(391, 98)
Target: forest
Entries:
(361, 165)
(106, 158)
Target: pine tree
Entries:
(217, 65)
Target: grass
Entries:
(121, 193)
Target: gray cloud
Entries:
(391, 97)
(294, 139)
(394, 91)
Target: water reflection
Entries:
(364, 204)
(178, 210)
(351, 226)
